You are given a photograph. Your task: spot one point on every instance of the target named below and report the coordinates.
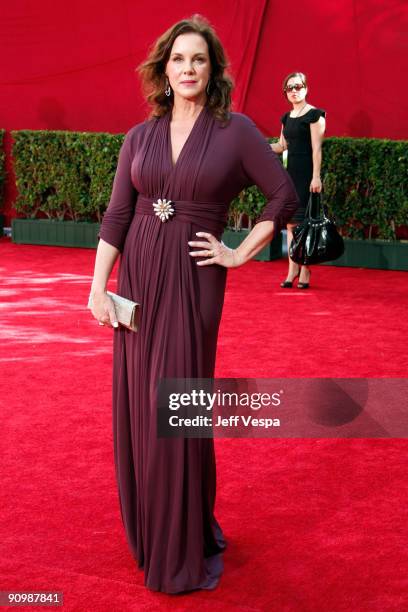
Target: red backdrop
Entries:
(70, 65)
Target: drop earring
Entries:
(167, 91)
(208, 87)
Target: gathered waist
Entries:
(210, 216)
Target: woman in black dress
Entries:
(302, 135)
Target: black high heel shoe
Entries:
(305, 285)
(289, 284)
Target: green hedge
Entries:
(2, 167)
(65, 175)
(365, 182)
(366, 185)
(68, 175)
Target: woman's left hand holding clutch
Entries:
(103, 309)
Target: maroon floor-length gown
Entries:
(167, 485)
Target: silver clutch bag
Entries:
(127, 312)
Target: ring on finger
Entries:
(210, 253)
(100, 323)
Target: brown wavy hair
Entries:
(152, 70)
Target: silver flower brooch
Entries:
(163, 209)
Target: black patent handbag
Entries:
(316, 239)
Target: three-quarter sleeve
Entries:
(119, 213)
(264, 169)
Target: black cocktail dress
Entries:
(296, 131)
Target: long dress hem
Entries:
(167, 487)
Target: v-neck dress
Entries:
(167, 486)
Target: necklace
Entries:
(298, 113)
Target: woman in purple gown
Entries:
(196, 153)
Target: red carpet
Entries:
(311, 524)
